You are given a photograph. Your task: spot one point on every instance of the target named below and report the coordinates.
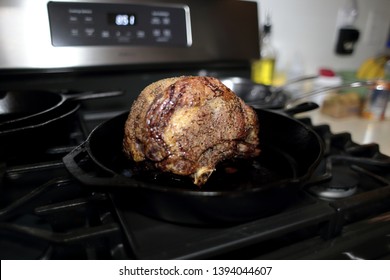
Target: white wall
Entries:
(307, 29)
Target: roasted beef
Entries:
(187, 125)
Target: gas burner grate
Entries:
(57, 217)
(46, 214)
(308, 218)
(353, 178)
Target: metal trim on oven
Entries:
(188, 25)
(25, 37)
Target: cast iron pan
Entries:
(238, 191)
(22, 108)
(37, 134)
(30, 120)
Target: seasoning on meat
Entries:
(187, 125)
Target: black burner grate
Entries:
(46, 214)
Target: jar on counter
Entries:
(263, 70)
(376, 101)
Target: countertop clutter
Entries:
(363, 131)
(359, 107)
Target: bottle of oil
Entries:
(263, 69)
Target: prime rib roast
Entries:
(187, 125)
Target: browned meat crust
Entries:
(186, 125)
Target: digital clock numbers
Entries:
(121, 19)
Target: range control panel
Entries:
(97, 24)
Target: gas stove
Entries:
(343, 212)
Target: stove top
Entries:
(341, 213)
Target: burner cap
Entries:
(344, 183)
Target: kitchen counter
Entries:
(363, 131)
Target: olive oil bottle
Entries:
(263, 69)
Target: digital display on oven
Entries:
(121, 19)
(102, 24)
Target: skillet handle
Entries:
(92, 95)
(82, 167)
(301, 108)
(324, 90)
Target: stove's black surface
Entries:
(46, 214)
(339, 195)
(153, 239)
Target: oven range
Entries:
(342, 212)
(47, 211)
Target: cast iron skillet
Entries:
(22, 108)
(238, 191)
(34, 136)
(30, 120)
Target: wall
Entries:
(305, 31)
